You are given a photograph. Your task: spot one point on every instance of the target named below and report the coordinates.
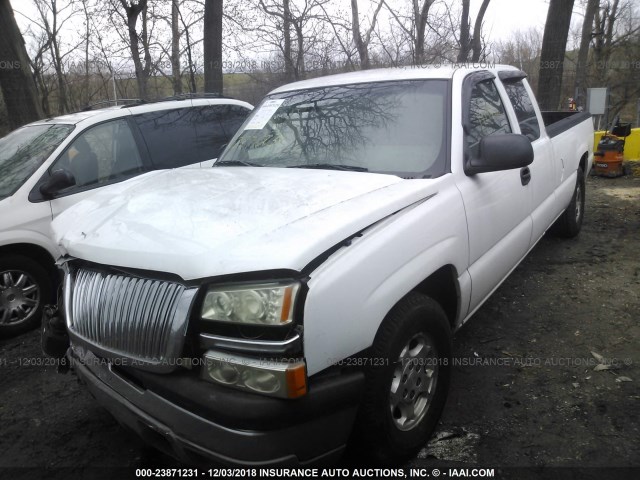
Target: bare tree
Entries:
(282, 12)
(175, 47)
(87, 36)
(554, 43)
(465, 43)
(583, 53)
(522, 50)
(471, 43)
(18, 88)
(188, 23)
(362, 42)
(52, 19)
(138, 42)
(289, 31)
(615, 53)
(476, 43)
(415, 28)
(213, 46)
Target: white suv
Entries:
(48, 165)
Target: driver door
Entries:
(497, 204)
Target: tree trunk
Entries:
(465, 45)
(610, 22)
(213, 46)
(57, 64)
(300, 68)
(363, 52)
(554, 44)
(18, 87)
(476, 43)
(420, 15)
(87, 19)
(288, 60)
(192, 74)
(583, 54)
(142, 71)
(175, 48)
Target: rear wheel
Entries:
(407, 381)
(24, 288)
(569, 223)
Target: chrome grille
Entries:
(135, 318)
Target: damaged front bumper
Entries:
(198, 422)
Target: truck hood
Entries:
(224, 220)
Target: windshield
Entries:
(386, 127)
(24, 150)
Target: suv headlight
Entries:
(266, 304)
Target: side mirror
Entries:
(59, 180)
(500, 152)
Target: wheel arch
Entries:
(583, 163)
(442, 286)
(38, 254)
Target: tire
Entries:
(569, 223)
(25, 287)
(411, 352)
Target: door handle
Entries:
(525, 175)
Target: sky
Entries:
(503, 17)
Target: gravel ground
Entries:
(546, 373)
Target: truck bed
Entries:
(557, 122)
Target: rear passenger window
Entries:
(185, 136)
(170, 137)
(486, 115)
(210, 134)
(523, 107)
(234, 117)
(215, 125)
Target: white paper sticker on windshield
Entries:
(264, 114)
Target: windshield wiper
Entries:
(332, 166)
(235, 163)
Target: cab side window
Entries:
(487, 115)
(523, 107)
(101, 154)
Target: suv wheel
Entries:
(24, 288)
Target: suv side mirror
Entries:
(59, 180)
(500, 152)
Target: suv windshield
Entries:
(24, 150)
(393, 127)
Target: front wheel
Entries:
(569, 223)
(407, 382)
(24, 288)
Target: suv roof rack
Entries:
(188, 96)
(126, 101)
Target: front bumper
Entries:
(197, 422)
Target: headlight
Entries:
(267, 304)
(285, 379)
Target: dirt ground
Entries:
(546, 374)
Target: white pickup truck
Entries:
(303, 292)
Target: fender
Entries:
(28, 237)
(388, 261)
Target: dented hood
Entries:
(202, 223)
